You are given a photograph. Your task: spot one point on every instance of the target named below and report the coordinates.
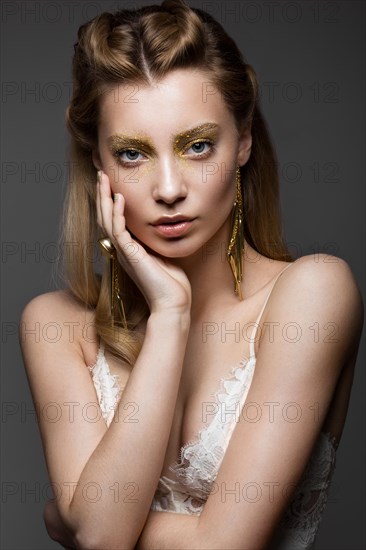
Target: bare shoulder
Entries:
(58, 302)
(320, 289)
(324, 273)
(57, 318)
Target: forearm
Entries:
(126, 465)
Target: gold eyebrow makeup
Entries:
(208, 130)
(138, 142)
(202, 132)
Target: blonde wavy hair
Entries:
(140, 47)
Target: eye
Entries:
(200, 148)
(128, 156)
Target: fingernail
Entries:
(99, 175)
(117, 197)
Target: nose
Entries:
(170, 185)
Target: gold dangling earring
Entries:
(235, 250)
(115, 298)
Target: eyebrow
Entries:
(117, 141)
(193, 133)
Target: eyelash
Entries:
(118, 154)
(205, 153)
(202, 155)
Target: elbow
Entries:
(84, 541)
(84, 538)
(63, 530)
(56, 527)
(82, 534)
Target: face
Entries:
(172, 151)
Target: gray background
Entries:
(309, 57)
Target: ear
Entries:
(96, 159)
(245, 146)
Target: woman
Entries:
(206, 386)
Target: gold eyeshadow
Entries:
(204, 132)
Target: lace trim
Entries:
(300, 522)
(299, 525)
(200, 458)
(170, 496)
(106, 385)
(310, 496)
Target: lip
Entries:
(172, 219)
(173, 226)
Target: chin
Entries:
(174, 248)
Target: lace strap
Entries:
(256, 324)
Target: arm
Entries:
(94, 468)
(90, 465)
(275, 453)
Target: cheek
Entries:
(132, 215)
(134, 207)
(220, 193)
(131, 182)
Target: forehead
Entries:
(177, 101)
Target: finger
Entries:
(131, 250)
(106, 204)
(119, 231)
(97, 204)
